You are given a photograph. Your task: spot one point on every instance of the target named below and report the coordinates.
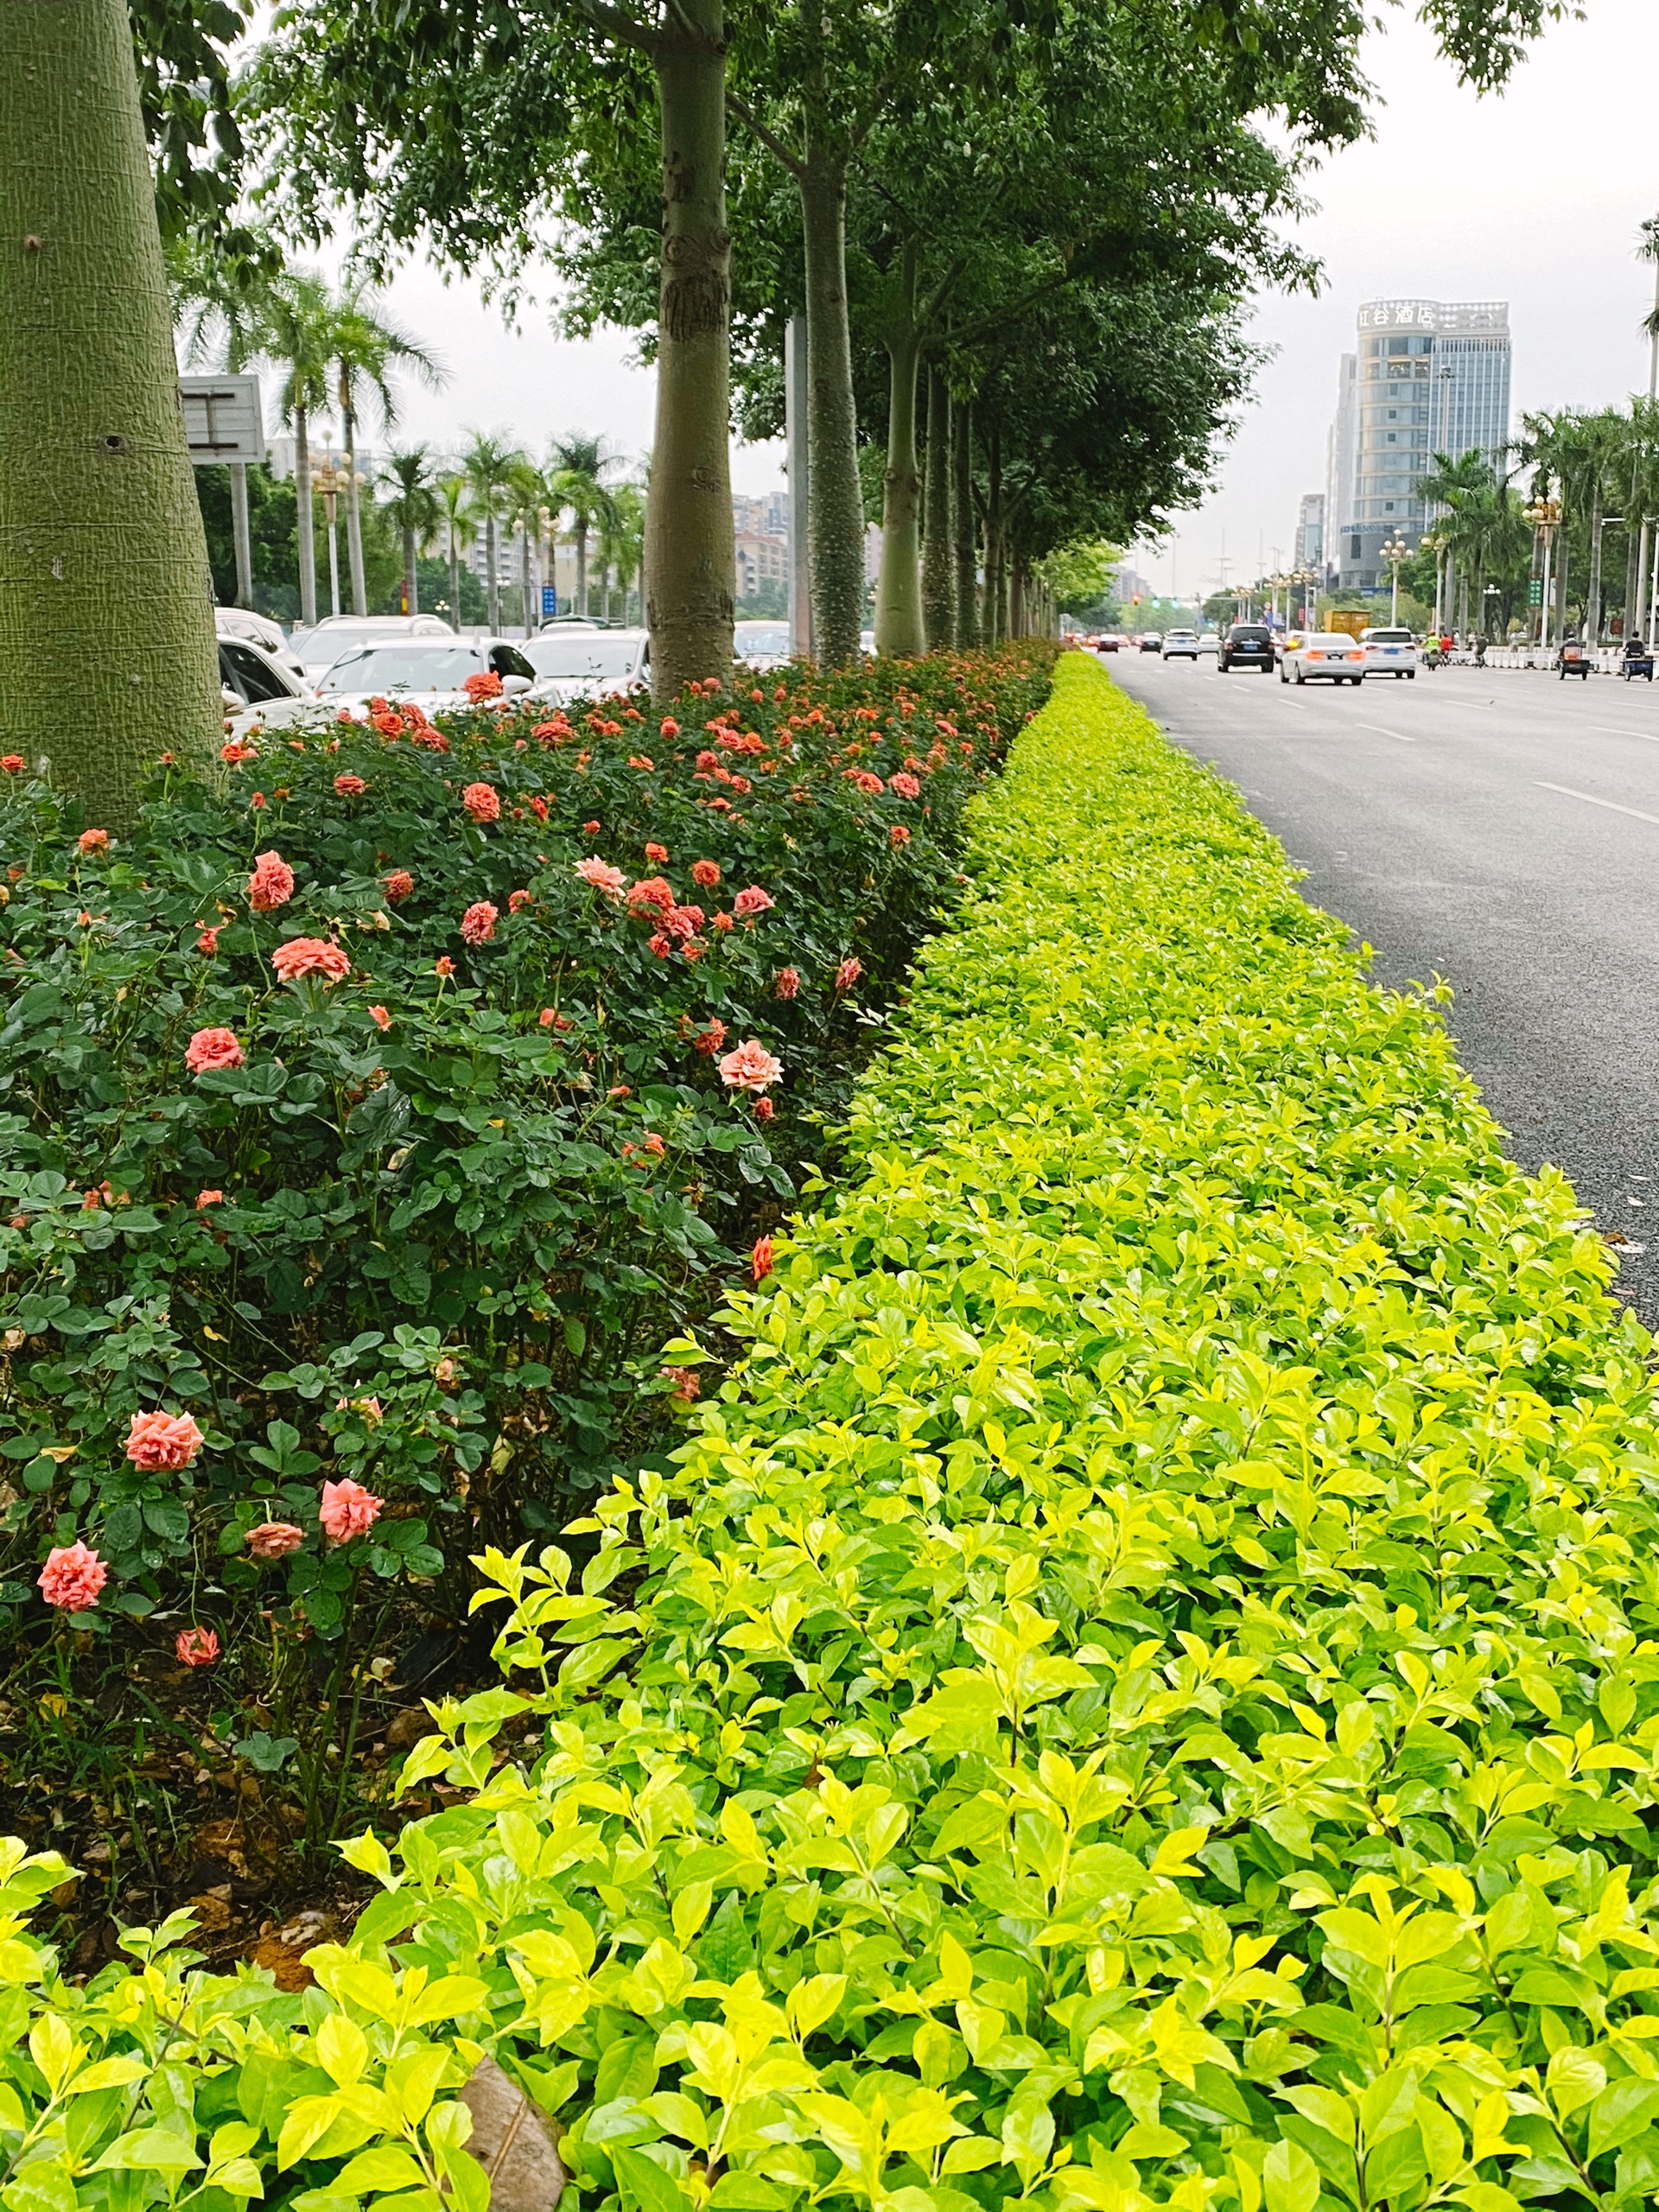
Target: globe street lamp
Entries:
(331, 480)
(1545, 516)
(1436, 543)
(1394, 550)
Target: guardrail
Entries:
(1604, 660)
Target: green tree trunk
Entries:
(691, 559)
(1018, 603)
(1593, 590)
(411, 579)
(582, 566)
(835, 520)
(994, 627)
(494, 578)
(305, 515)
(454, 575)
(898, 589)
(353, 520)
(939, 540)
(962, 501)
(106, 629)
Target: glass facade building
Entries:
(1425, 377)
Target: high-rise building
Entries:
(1426, 377)
(1310, 533)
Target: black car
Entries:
(1247, 645)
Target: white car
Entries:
(259, 630)
(431, 673)
(259, 688)
(1210, 641)
(1331, 656)
(573, 661)
(320, 648)
(1180, 645)
(761, 645)
(1390, 652)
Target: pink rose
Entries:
(196, 1646)
(705, 874)
(752, 902)
(310, 956)
(348, 1510)
(848, 974)
(906, 786)
(760, 1259)
(271, 883)
(481, 801)
(477, 923)
(158, 1440)
(274, 1539)
(381, 1018)
(213, 1048)
(750, 1067)
(72, 1577)
(94, 840)
(206, 1199)
(601, 875)
(788, 983)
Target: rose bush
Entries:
(358, 1115)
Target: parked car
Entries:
(1330, 655)
(319, 648)
(257, 687)
(1390, 652)
(1150, 641)
(259, 630)
(761, 645)
(429, 672)
(1180, 645)
(1247, 645)
(571, 663)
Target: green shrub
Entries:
(1142, 1692)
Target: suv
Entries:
(1390, 652)
(1247, 645)
(1180, 645)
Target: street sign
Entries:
(223, 419)
(1535, 592)
(549, 600)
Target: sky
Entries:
(1533, 197)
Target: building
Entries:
(1426, 378)
(761, 531)
(1310, 533)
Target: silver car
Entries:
(572, 662)
(320, 647)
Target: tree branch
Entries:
(774, 144)
(617, 23)
(866, 122)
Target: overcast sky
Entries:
(1534, 197)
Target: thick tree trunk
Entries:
(581, 568)
(690, 561)
(961, 469)
(353, 519)
(107, 628)
(996, 625)
(899, 591)
(938, 542)
(411, 575)
(1593, 590)
(305, 516)
(836, 521)
(1017, 596)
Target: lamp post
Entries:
(1394, 551)
(1592, 612)
(1435, 542)
(1545, 516)
(331, 480)
(1488, 596)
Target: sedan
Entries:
(1152, 641)
(572, 663)
(1324, 655)
(1390, 652)
(320, 647)
(430, 673)
(1247, 645)
(761, 645)
(1180, 645)
(258, 690)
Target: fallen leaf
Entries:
(513, 2140)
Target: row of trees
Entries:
(1022, 232)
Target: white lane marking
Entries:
(1590, 799)
(1611, 729)
(1397, 735)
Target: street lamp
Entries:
(1435, 542)
(1545, 516)
(1394, 550)
(1489, 595)
(331, 480)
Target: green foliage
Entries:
(1140, 1694)
(430, 1228)
(1080, 574)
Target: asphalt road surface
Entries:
(1498, 828)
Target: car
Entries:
(1323, 655)
(572, 663)
(761, 645)
(259, 630)
(1209, 641)
(1247, 645)
(1150, 641)
(1108, 642)
(1180, 645)
(430, 673)
(258, 690)
(320, 646)
(1390, 652)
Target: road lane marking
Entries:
(1397, 735)
(1590, 799)
(1611, 729)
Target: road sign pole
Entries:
(242, 534)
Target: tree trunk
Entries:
(106, 629)
(690, 562)
(305, 515)
(961, 461)
(938, 540)
(524, 577)
(1593, 593)
(492, 579)
(411, 576)
(898, 589)
(1017, 596)
(994, 626)
(454, 575)
(353, 519)
(582, 567)
(835, 499)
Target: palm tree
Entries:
(525, 502)
(488, 464)
(415, 509)
(621, 541)
(367, 347)
(1448, 488)
(577, 467)
(451, 490)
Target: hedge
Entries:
(1142, 1692)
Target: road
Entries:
(1498, 828)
